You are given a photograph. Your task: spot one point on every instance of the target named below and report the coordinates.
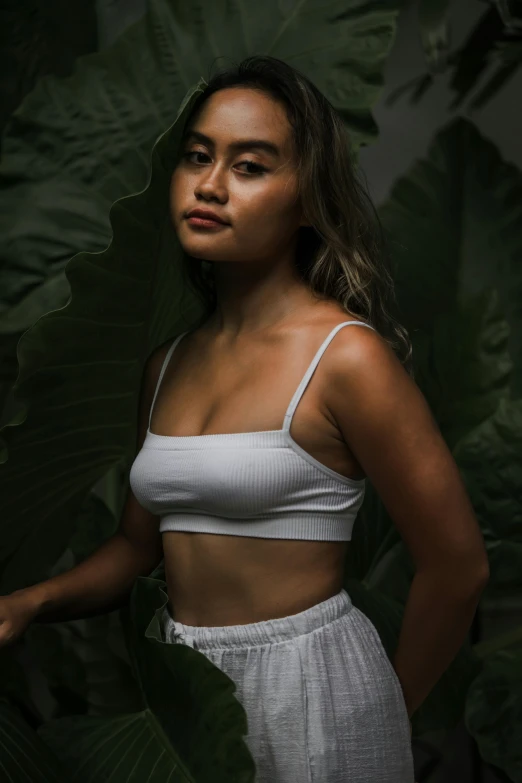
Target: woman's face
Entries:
(252, 188)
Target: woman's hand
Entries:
(17, 611)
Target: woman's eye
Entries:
(194, 152)
(258, 168)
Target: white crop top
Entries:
(260, 484)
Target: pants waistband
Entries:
(250, 634)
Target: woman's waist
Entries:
(230, 580)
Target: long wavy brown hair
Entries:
(343, 254)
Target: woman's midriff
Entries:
(216, 580)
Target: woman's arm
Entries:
(438, 614)
(387, 423)
(99, 584)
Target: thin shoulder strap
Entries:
(310, 371)
(163, 368)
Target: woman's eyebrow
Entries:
(236, 146)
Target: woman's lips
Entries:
(205, 223)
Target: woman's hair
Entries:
(343, 253)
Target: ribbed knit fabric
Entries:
(258, 484)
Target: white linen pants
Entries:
(323, 701)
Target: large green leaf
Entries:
(85, 662)
(190, 727)
(14, 685)
(24, 756)
(41, 38)
(76, 145)
(455, 227)
(462, 364)
(494, 711)
(490, 460)
(81, 370)
(83, 142)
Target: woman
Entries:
(257, 497)
(252, 495)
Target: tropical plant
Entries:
(478, 425)
(492, 51)
(454, 223)
(40, 38)
(76, 153)
(78, 144)
(126, 703)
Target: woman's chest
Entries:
(252, 391)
